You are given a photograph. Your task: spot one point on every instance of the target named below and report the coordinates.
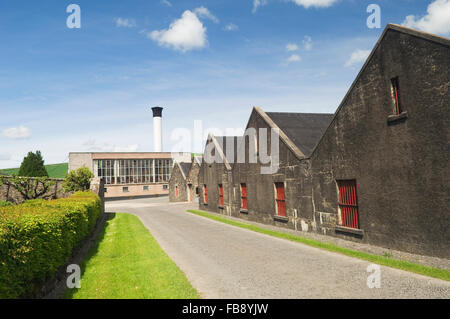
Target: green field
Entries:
(126, 262)
(53, 170)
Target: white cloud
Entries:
(203, 12)
(315, 3)
(184, 34)
(293, 58)
(257, 4)
(17, 133)
(357, 57)
(231, 27)
(292, 47)
(307, 43)
(166, 2)
(437, 19)
(125, 23)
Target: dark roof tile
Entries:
(303, 129)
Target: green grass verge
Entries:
(126, 262)
(53, 170)
(380, 260)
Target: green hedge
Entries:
(4, 204)
(37, 238)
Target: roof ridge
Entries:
(418, 33)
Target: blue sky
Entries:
(91, 89)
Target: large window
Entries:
(163, 169)
(106, 170)
(142, 171)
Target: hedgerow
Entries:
(38, 237)
(4, 203)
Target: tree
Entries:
(30, 187)
(33, 166)
(78, 180)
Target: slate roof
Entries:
(304, 129)
(185, 168)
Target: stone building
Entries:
(381, 170)
(183, 183)
(250, 194)
(376, 171)
(215, 175)
(192, 180)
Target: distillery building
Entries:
(132, 174)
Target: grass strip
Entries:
(443, 274)
(126, 262)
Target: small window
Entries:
(396, 92)
(280, 199)
(106, 190)
(197, 191)
(244, 196)
(125, 190)
(221, 194)
(165, 187)
(205, 194)
(146, 188)
(348, 203)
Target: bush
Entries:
(4, 204)
(38, 237)
(78, 180)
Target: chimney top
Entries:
(157, 111)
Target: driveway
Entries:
(222, 261)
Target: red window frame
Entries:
(176, 191)
(221, 194)
(205, 194)
(244, 196)
(348, 203)
(396, 89)
(280, 198)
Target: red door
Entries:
(221, 194)
(280, 199)
(348, 203)
(244, 196)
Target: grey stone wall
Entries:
(10, 194)
(401, 167)
(177, 181)
(192, 181)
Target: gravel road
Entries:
(223, 261)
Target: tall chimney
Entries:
(157, 128)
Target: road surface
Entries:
(222, 261)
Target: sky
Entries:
(68, 89)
